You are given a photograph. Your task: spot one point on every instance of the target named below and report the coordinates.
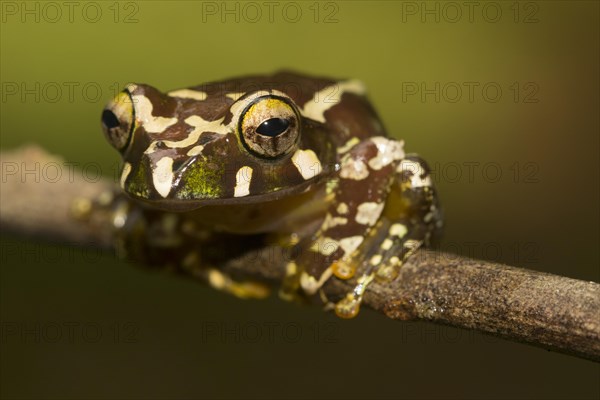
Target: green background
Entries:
(541, 134)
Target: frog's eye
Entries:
(118, 120)
(269, 126)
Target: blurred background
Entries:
(501, 98)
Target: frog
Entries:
(216, 169)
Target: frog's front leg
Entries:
(359, 193)
(410, 219)
(384, 209)
(166, 240)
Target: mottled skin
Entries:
(217, 169)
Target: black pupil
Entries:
(109, 119)
(273, 127)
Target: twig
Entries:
(550, 311)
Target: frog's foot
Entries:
(389, 267)
(349, 306)
(409, 220)
(383, 266)
(390, 244)
(223, 282)
(383, 252)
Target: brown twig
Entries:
(554, 312)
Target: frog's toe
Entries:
(389, 272)
(343, 270)
(349, 306)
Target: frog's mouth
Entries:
(188, 204)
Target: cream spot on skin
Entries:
(325, 245)
(188, 94)
(310, 285)
(342, 208)
(152, 148)
(328, 97)
(291, 268)
(235, 96)
(194, 151)
(143, 111)
(368, 213)
(242, 182)
(376, 259)
(354, 169)
(200, 125)
(394, 260)
(417, 170)
(125, 174)
(307, 163)
(216, 279)
(412, 244)
(348, 145)
(162, 176)
(120, 216)
(398, 230)
(215, 126)
(331, 221)
(350, 244)
(428, 217)
(388, 151)
(387, 244)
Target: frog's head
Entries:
(245, 140)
